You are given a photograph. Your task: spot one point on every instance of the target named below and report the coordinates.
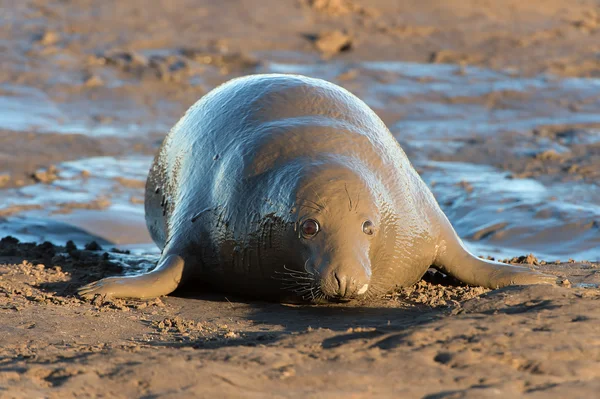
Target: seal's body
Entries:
(282, 184)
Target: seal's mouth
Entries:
(345, 294)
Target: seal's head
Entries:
(337, 226)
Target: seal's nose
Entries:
(345, 274)
(346, 286)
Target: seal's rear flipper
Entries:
(163, 280)
(454, 259)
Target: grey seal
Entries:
(284, 185)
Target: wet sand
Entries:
(432, 340)
(496, 103)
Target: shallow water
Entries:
(502, 216)
(433, 110)
(105, 205)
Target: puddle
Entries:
(441, 101)
(586, 285)
(501, 216)
(97, 199)
(30, 109)
(431, 109)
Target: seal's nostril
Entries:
(342, 283)
(337, 279)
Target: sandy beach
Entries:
(497, 105)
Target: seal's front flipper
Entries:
(454, 259)
(161, 281)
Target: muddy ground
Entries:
(497, 103)
(434, 340)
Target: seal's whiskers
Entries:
(302, 283)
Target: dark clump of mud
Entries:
(79, 264)
(179, 65)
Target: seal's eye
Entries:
(368, 227)
(310, 228)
